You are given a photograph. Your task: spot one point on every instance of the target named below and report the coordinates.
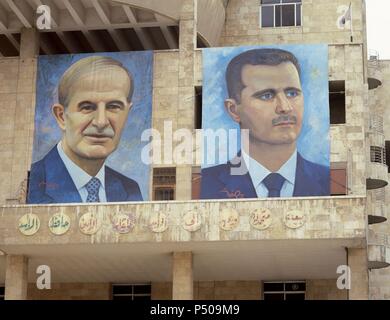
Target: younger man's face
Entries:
(272, 103)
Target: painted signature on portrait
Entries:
(237, 194)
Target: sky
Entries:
(378, 27)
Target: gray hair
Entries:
(85, 66)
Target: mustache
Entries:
(284, 118)
(107, 132)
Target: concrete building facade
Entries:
(348, 228)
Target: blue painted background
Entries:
(127, 158)
(314, 141)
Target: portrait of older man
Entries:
(265, 96)
(94, 100)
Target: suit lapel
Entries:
(300, 188)
(305, 184)
(237, 186)
(59, 184)
(114, 188)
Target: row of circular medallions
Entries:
(90, 223)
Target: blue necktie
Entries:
(274, 183)
(93, 190)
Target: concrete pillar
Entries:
(357, 261)
(186, 96)
(16, 277)
(29, 43)
(182, 283)
(24, 114)
(356, 120)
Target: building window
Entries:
(337, 102)
(281, 13)
(2, 292)
(140, 291)
(288, 290)
(198, 107)
(164, 183)
(378, 154)
(338, 182)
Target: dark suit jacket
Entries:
(50, 182)
(311, 179)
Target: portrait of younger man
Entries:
(95, 99)
(265, 96)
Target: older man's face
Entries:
(96, 113)
(272, 103)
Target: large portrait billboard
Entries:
(91, 110)
(265, 122)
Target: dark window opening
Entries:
(28, 185)
(164, 183)
(279, 291)
(337, 102)
(387, 151)
(164, 193)
(131, 291)
(198, 107)
(2, 292)
(200, 42)
(7, 47)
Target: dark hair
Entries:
(267, 57)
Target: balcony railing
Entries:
(374, 72)
(376, 206)
(378, 250)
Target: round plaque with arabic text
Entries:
(294, 219)
(158, 222)
(261, 219)
(192, 221)
(123, 223)
(89, 223)
(59, 224)
(228, 219)
(29, 224)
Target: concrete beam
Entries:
(172, 42)
(143, 37)
(23, 11)
(104, 13)
(78, 12)
(168, 8)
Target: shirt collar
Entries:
(78, 175)
(258, 172)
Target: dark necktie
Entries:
(93, 190)
(274, 183)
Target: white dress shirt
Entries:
(81, 178)
(258, 173)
